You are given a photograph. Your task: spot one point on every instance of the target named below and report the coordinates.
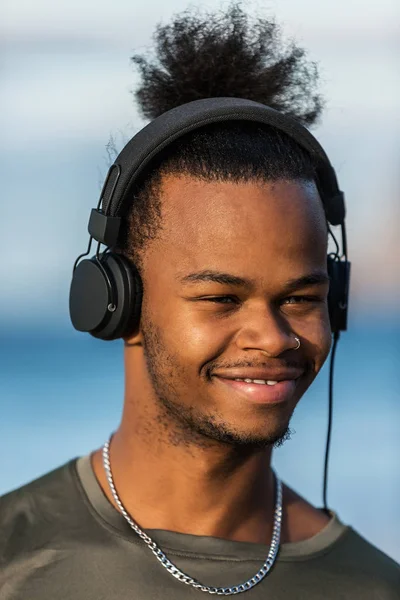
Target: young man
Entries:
(229, 236)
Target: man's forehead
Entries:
(223, 217)
(227, 228)
(195, 201)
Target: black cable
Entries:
(330, 409)
(82, 255)
(337, 254)
(344, 240)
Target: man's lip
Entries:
(267, 375)
(257, 393)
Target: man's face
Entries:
(237, 271)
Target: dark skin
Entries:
(237, 270)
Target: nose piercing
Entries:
(298, 343)
(295, 348)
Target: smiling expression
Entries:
(237, 271)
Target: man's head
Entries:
(230, 237)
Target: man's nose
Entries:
(267, 331)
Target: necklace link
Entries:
(173, 569)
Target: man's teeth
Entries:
(261, 381)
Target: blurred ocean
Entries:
(61, 396)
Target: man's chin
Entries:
(222, 433)
(192, 427)
(260, 441)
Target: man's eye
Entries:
(221, 299)
(301, 299)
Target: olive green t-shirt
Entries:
(61, 539)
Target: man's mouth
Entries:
(260, 391)
(258, 381)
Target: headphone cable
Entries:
(336, 336)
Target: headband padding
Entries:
(175, 123)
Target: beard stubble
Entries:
(186, 424)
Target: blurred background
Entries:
(66, 83)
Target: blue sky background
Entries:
(66, 82)
(65, 89)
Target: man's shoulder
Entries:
(37, 490)
(354, 547)
(37, 510)
(362, 564)
(341, 552)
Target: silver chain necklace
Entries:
(173, 569)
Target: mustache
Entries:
(276, 363)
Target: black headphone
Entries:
(106, 290)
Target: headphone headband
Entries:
(173, 124)
(105, 295)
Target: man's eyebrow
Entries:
(216, 277)
(314, 278)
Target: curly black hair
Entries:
(205, 55)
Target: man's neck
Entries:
(211, 491)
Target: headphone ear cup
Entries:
(105, 296)
(137, 302)
(338, 297)
(129, 287)
(89, 296)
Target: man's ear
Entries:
(135, 339)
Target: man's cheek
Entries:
(322, 344)
(191, 337)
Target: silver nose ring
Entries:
(295, 348)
